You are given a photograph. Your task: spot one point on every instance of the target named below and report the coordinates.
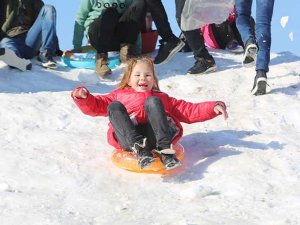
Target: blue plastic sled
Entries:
(87, 60)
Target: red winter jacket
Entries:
(178, 110)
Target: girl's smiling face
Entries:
(142, 78)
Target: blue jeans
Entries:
(40, 37)
(264, 13)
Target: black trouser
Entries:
(160, 18)
(157, 130)
(226, 32)
(194, 38)
(111, 29)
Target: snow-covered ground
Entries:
(55, 166)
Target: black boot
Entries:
(260, 83)
(250, 53)
(168, 158)
(203, 66)
(168, 49)
(46, 60)
(143, 154)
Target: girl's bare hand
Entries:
(221, 109)
(80, 93)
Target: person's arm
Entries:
(188, 112)
(89, 104)
(220, 108)
(81, 16)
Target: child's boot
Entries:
(168, 158)
(143, 154)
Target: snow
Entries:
(55, 166)
(291, 36)
(283, 21)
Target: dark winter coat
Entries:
(17, 16)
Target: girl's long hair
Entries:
(128, 70)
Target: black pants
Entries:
(160, 18)
(226, 32)
(157, 130)
(194, 38)
(111, 29)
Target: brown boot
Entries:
(127, 51)
(102, 68)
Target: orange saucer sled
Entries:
(127, 161)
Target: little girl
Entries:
(142, 118)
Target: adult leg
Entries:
(169, 44)
(226, 38)
(102, 31)
(263, 33)
(160, 19)
(237, 34)
(243, 11)
(130, 23)
(12, 53)
(195, 40)
(204, 61)
(101, 35)
(179, 4)
(42, 35)
(129, 27)
(16, 44)
(264, 15)
(136, 13)
(243, 23)
(157, 118)
(127, 134)
(222, 33)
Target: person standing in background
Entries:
(205, 62)
(258, 46)
(169, 43)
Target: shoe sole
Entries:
(236, 51)
(175, 165)
(149, 164)
(260, 87)
(172, 53)
(250, 55)
(47, 65)
(209, 70)
(11, 59)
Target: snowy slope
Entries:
(55, 166)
